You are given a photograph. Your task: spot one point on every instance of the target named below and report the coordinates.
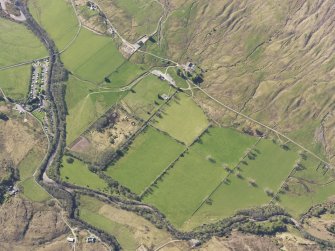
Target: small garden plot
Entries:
(85, 106)
(145, 99)
(148, 156)
(105, 136)
(195, 176)
(309, 185)
(18, 44)
(93, 57)
(254, 183)
(57, 17)
(76, 172)
(182, 119)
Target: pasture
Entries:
(182, 119)
(194, 176)
(33, 191)
(309, 186)
(57, 17)
(18, 44)
(180, 82)
(246, 187)
(15, 81)
(77, 173)
(148, 156)
(93, 57)
(30, 163)
(144, 100)
(85, 106)
(130, 229)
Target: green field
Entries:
(30, 163)
(27, 167)
(57, 17)
(124, 75)
(196, 175)
(15, 81)
(93, 57)
(181, 83)
(84, 107)
(269, 169)
(143, 101)
(77, 173)
(33, 191)
(182, 119)
(18, 44)
(307, 187)
(137, 169)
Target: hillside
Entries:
(271, 60)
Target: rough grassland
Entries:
(132, 18)
(84, 108)
(130, 229)
(57, 17)
(78, 174)
(269, 169)
(33, 191)
(144, 100)
(18, 44)
(15, 82)
(92, 57)
(196, 175)
(182, 119)
(307, 187)
(147, 157)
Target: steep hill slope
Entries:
(272, 60)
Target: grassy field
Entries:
(30, 163)
(93, 57)
(33, 191)
(124, 75)
(181, 83)
(18, 44)
(84, 107)
(57, 17)
(196, 175)
(137, 169)
(143, 101)
(15, 82)
(77, 173)
(129, 229)
(307, 187)
(182, 119)
(269, 169)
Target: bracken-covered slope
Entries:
(271, 60)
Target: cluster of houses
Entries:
(90, 239)
(38, 84)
